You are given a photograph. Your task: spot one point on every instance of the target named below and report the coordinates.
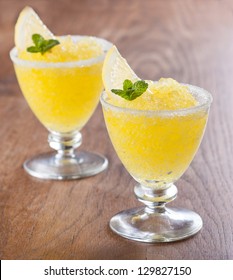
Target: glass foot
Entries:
(156, 225)
(51, 166)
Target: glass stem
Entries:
(65, 144)
(155, 198)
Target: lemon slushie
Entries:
(60, 77)
(155, 128)
(154, 146)
(157, 134)
(63, 97)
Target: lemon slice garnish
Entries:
(29, 23)
(116, 70)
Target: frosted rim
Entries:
(203, 97)
(106, 45)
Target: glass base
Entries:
(156, 225)
(51, 166)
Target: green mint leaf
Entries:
(140, 86)
(121, 93)
(37, 40)
(41, 45)
(33, 49)
(127, 84)
(135, 95)
(49, 44)
(131, 91)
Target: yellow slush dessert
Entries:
(154, 135)
(62, 86)
(60, 77)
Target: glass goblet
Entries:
(63, 96)
(156, 147)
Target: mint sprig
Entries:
(131, 90)
(41, 45)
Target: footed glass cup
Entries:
(156, 147)
(63, 96)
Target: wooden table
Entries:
(191, 41)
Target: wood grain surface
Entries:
(189, 40)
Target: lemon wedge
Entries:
(116, 70)
(29, 23)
